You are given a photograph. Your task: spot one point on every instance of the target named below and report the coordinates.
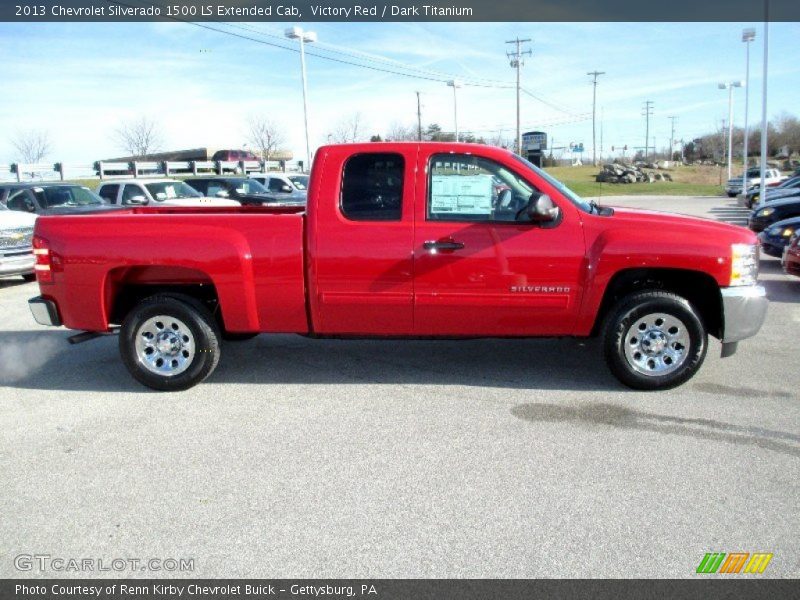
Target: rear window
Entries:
(372, 187)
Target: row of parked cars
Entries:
(775, 217)
(21, 202)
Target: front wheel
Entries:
(654, 340)
(169, 343)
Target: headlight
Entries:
(765, 212)
(787, 232)
(744, 264)
(756, 197)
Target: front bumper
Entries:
(16, 262)
(744, 310)
(759, 224)
(772, 245)
(44, 311)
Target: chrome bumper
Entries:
(744, 310)
(44, 311)
(16, 263)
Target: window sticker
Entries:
(461, 194)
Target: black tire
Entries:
(237, 337)
(29, 277)
(636, 307)
(202, 329)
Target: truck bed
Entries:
(252, 256)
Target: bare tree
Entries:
(265, 135)
(348, 130)
(139, 137)
(32, 146)
(401, 133)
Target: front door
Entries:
(481, 268)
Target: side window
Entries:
(21, 201)
(464, 187)
(109, 192)
(372, 187)
(129, 191)
(214, 187)
(275, 185)
(200, 186)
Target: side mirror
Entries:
(137, 200)
(286, 188)
(541, 209)
(222, 194)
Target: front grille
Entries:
(20, 237)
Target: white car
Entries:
(156, 192)
(16, 238)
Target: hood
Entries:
(14, 219)
(782, 202)
(785, 223)
(665, 223)
(782, 193)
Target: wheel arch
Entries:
(699, 288)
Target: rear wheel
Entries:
(169, 343)
(654, 340)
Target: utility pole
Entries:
(516, 61)
(672, 138)
(601, 133)
(595, 75)
(648, 111)
(419, 120)
(764, 124)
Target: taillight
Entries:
(43, 266)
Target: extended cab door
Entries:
(479, 270)
(360, 220)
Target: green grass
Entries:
(688, 182)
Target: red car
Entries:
(791, 256)
(404, 240)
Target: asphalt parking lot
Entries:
(303, 458)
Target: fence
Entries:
(110, 170)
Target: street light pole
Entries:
(729, 86)
(455, 84)
(595, 75)
(764, 130)
(748, 35)
(297, 33)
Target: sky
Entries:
(80, 81)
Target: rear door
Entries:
(360, 240)
(481, 270)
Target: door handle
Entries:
(449, 245)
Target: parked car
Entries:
(763, 217)
(281, 186)
(52, 198)
(734, 186)
(234, 155)
(157, 192)
(405, 240)
(786, 189)
(16, 249)
(776, 237)
(791, 256)
(244, 190)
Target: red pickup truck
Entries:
(403, 240)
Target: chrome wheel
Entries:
(165, 345)
(656, 344)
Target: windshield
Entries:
(248, 186)
(170, 190)
(66, 195)
(571, 196)
(299, 181)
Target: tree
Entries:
(401, 133)
(348, 130)
(139, 137)
(32, 146)
(265, 135)
(434, 133)
(376, 138)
